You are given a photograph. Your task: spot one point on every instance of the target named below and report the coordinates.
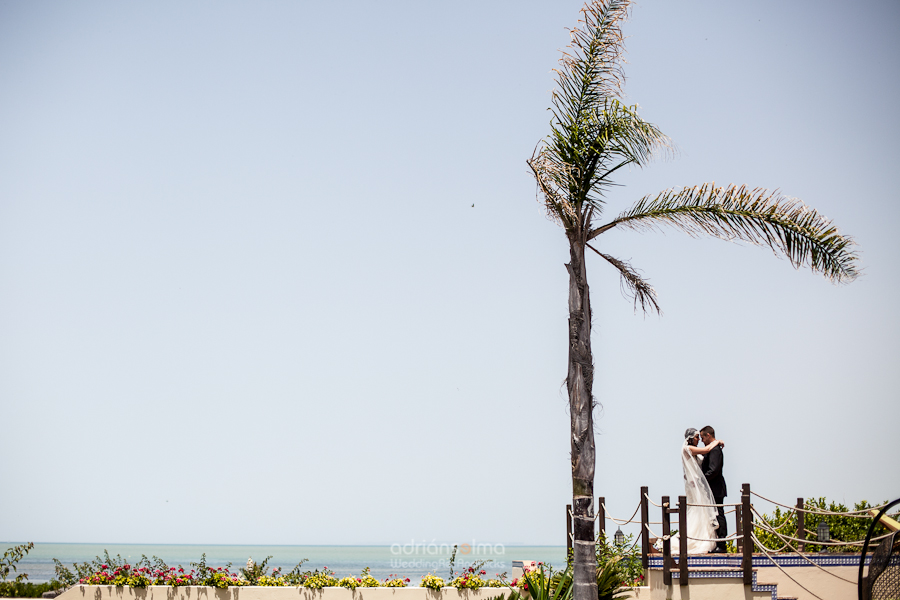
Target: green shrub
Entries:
(295, 576)
(547, 585)
(842, 528)
(18, 589)
(619, 564)
(10, 558)
(253, 571)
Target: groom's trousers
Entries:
(722, 529)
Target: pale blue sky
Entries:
(246, 298)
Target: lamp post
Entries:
(619, 537)
(823, 533)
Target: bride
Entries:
(701, 520)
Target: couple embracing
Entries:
(703, 485)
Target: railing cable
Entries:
(799, 553)
(652, 502)
(859, 514)
(619, 521)
(785, 572)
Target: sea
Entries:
(412, 560)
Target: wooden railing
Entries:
(743, 528)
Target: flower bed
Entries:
(166, 592)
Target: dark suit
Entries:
(712, 470)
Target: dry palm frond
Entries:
(758, 216)
(554, 179)
(633, 285)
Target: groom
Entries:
(712, 469)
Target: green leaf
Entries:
(764, 218)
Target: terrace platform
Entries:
(783, 577)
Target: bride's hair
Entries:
(690, 433)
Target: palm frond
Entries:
(592, 133)
(758, 216)
(571, 181)
(590, 69)
(589, 76)
(620, 137)
(633, 285)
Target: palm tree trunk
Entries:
(579, 382)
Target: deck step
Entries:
(739, 572)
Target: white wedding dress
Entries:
(701, 521)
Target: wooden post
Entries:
(645, 531)
(738, 528)
(801, 525)
(747, 523)
(568, 531)
(682, 541)
(601, 517)
(667, 545)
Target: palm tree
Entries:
(593, 134)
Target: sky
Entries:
(276, 273)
